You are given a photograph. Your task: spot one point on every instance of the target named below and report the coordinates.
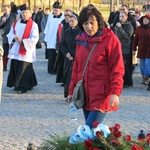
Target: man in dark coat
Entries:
(132, 20)
(124, 8)
(37, 18)
(13, 7)
(6, 21)
(43, 24)
(112, 15)
(124, 30)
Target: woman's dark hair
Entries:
(124, 5)
(89, 11)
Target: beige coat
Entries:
(1, 70)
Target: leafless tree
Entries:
(62, 2)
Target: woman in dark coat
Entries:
(142, 40)
(68, 47)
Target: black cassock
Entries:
(21, 75)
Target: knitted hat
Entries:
(146, 16)
(137, 11)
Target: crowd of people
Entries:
(132, 29)
(68, 39)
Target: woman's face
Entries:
(90, 26)
(72, 22)
(146, 20)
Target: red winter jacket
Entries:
(104, 74)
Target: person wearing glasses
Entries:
(62, 27)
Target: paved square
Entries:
(33, 116)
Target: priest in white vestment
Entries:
(50, 32)
(22, 39)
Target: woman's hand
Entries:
(114, 100)
(69, 99)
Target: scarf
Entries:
(26, 34)
(88, 38)
(145, 26)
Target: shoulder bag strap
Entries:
(87, 61)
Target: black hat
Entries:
(57, 5)
(24, 7)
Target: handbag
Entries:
(78, 93)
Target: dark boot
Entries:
(145, 80)
(148, 88)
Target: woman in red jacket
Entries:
(142, 40)
(103, 79)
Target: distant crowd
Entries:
(58, 31)
(132, 28)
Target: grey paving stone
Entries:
(33, 116)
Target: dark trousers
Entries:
(5, 56)
(67, 75)
(52, 61)
(38, 45)
(46, 51)
(60, 67)
(128, 70)
(149, 84)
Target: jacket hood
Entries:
(145, 16)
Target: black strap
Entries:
(87, 61)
